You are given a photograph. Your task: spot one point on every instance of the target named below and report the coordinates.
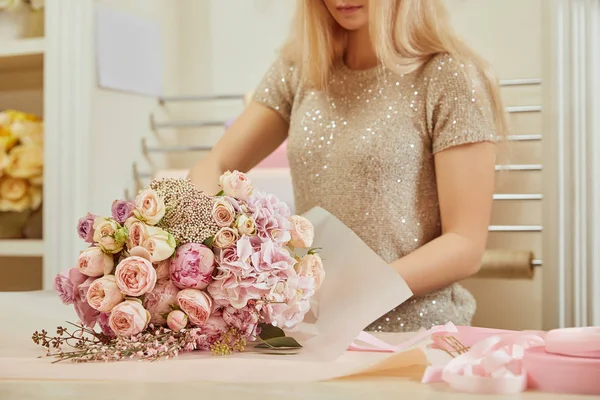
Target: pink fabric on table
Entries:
(277, 159)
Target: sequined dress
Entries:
(364, 150)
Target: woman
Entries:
(391, 124)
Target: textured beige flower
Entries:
(25, 161)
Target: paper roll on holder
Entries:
(508, 264)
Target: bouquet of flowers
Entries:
(21, 161)
(180, 270)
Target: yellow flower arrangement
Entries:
(21, 161)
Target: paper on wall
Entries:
(358, 288)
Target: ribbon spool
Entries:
(507, 264)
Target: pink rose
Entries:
(223, 212)
(85, 228)
(103, 322)
(196, 304)
(225, 237)
(135, 276)
(311, 266)
(66, 285)
(163, 270)
(212, 331)
(122, 210)
(94, 262)
(303, 232)
(236, 184)
(177, 320)
(192, 266)
(245, 320)
(104, 294)
(128, 318)
(86, 314)
(84, 287)
(159, 302)
(137, 232)
(149, 207)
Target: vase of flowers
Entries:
(21, 174)
(20, 19)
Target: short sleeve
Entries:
(459, 108)
(278, 88)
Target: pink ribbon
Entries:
(574, 342)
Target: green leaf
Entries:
(209, 241)
(221, 193)
(279, 343)
(314, 250)
(268, 331)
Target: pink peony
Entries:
(159, 302)
(104, 294)
(66, 285)
(192, 266)
(135, 276)
(103, 322)
(271, 217)
(128, 318)
(212, 331)
(94, 262)
(196, 304)
(85, 228)
(245, 320)
(87, 315)
(177, 320)
(303, 232)
(163, 270)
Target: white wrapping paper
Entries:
(359, 287)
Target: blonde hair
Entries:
(405, 35)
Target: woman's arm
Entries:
(465, 179)
(251, 138)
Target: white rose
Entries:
(236, 184)
(303, 232)
(159, 243)
(109, 235)
(149, 207)
(245, 225)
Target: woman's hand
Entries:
(251, 138)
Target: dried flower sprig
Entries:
(153, 344)
(232, 340)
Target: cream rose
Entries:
(159, 243)
(303, 232)
(136, 232)
(236, 184)
(94, 262)
(225, 237)
(223, 213)
(177, 320)
(245, 225)
(135, 276)
(13, 188)
(196, 304)
(103, 294)
(149, 207)
(29, 132)
(311, 266)
(129, 318)
(109, 235)
(25, 161)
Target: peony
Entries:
(236, 184)
(226, 237)
(245, 225)
(66, 285)
(212, 331)
(94, 262)
(109, 235)
(245, 320)
(160, 301)
(192, 266)
(159, 243)
(149, 207)
(85, 227)
(303, 232)
(163, 270)
(122, 210)
(104, 294)
(103, 321)
(311, 266)
(87, 315)
(136, 232)
(135, 276)
(196, 304)
(223, 212)
(128, 318)
(25, 161)
(177, 320)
